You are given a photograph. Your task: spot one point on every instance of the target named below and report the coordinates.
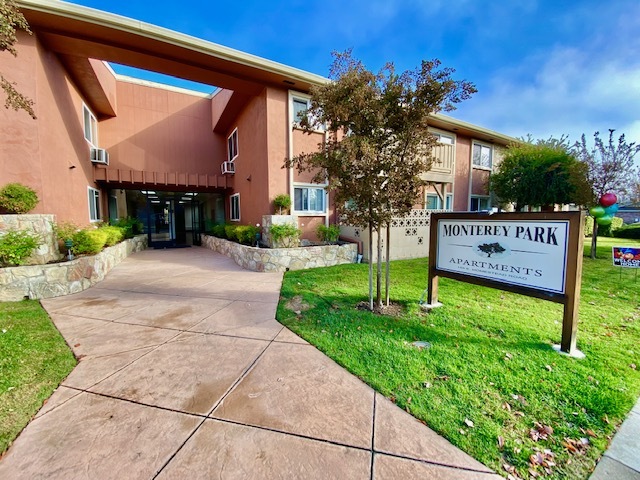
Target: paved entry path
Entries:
(184, 373)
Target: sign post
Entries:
(534, 254)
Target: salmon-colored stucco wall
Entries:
(277, 143)
(462, 171)
(160, 130)
(252, 169)
(49, 154)
(107, 82)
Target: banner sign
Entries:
(528, 253)
(626, 257)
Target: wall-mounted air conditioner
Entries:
(228, 168)
(99, 155)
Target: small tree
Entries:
(282, 202)
(610, 168)
(540, 174)
(378, 143)
(12, 20)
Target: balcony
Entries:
(443, 167)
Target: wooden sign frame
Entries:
(569, 297)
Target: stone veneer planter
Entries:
(282, 259)
(42, 226)
(57, 279)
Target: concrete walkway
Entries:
(622, 460)
(185, 373)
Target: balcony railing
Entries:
(443, 166)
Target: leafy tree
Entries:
(12, 20)
(378, 142)
(610, 168)
(540, 174)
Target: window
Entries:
(444, 139)
(300, 105)
(309, 199)
(482, 155)
(434, 203)
(480, 204)
(234, 209)
(232, 146)
(90, 126)
(94, 204)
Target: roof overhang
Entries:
(75, 30)
(446, 122)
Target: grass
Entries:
(490, 361)
(34, 359)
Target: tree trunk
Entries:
(370, 267)
(379, 269)
(387, 274)
(594, 239)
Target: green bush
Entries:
(65, 230)
(114, 234)
(131, 225)
(17, 198)
(629, 231)
(286, 235)
(246, 234)
(88, 242)
(219, 231)
(16, 246)
(282, 202)
(328, 234)
(230, 232)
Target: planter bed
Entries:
(64, 278)
(282, 259)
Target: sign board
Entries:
(534, 254)
(626, 257)
(528, 253)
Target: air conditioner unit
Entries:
(99, 155)
(228, 168)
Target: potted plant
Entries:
(282, 203)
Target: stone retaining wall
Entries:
(57, 279)
(42, 226)
(282, 259)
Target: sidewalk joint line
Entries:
(373, 434)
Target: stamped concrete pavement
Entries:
(184, 373)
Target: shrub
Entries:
(282, 202)
(17, 198)
(230, 232)
(65, 230)
(219, 231)
(328, 234)
(246, 234)
(629, 231)
(16, 246)
(286, 235)
(131, 225)
(88, 242)
(114, 234)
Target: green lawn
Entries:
(34, 359)
(491, 363)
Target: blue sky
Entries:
(542, 67)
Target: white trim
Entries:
(93, 199)
(294, 95)
(93, 141)
(311, 213)
(237, 145)
(237, 195)
(170, 88)
(444, 133)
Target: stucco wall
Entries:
(42, 226)
(55, 280)
(282, 259)
(49, 154)
(161, 130)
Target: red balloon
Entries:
(608, 199)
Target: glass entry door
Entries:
(162, 229)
